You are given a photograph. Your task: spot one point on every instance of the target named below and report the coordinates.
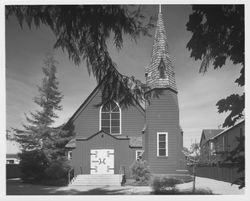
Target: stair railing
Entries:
(69, 174)
(122, 172)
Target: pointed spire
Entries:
(161, 63)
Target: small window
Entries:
(212, 148)
(223, 143)
(69, 155)
(10, 161)
(162, 144)
(138, 154)
(110, 118)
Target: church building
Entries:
(108, 139)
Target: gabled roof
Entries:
(226, 130)
(71, 144)
(117, 137)
(209, 133)
(12, 156)
(134, 142)
(90, 97)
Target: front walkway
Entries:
(217, 187)
(16, 187)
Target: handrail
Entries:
(69, 175)
(122, 172)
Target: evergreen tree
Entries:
(38, 132)
(83, 31)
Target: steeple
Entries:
(160, 72)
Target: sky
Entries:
(197, 93)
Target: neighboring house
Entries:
(12, 159)
(109, 138)
(207, 149)
(216, 147)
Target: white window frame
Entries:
(212, 148)
(223, 143)
(136, 153)
(70, 155)
(100, 119)
(166, 143)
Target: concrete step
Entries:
(94, 179)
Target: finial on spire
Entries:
(160, 8)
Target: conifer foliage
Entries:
(83, 31)
(37, 132)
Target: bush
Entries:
(140, 171)
(57, 170)
(52, 182)
(36, 168)
(33, 165)
(165, 184)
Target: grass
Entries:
(185, 178)
(182, 178)
(132, 182)
(199, 191)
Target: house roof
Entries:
(226, 130)
(209, 133)
(12, 156)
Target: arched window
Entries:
(110, 118)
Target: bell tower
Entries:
(163, 139)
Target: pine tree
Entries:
(38, 132)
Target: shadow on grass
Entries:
(94, 191)
(185, 192)
(16, 187)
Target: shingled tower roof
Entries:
(160, 72)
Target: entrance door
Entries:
(102, 161)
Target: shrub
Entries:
(56, 170)
(140, 171)
(183, 178)
(33, 165)
(165, 184)
(52, 182)
(199, 191)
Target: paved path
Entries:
(217, 187)
(16, 187)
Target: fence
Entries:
(222, 173)
(12, 171)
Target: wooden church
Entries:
(110, 138)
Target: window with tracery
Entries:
(110, 118)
